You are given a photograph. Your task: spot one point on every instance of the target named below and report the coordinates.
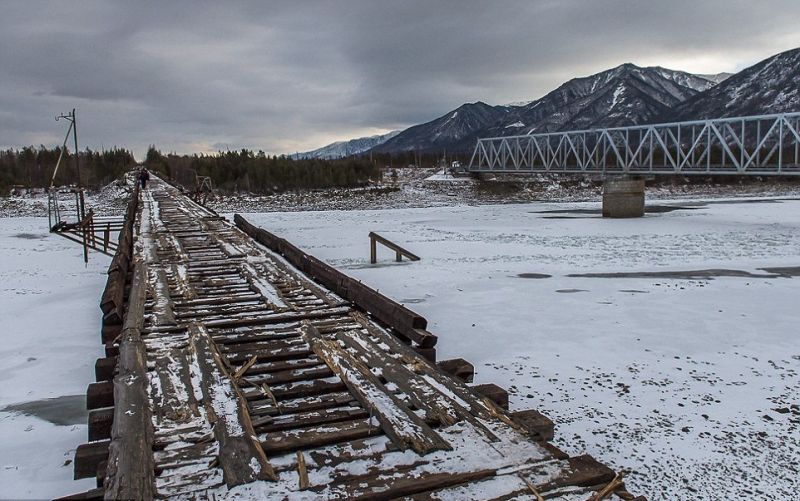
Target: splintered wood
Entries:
(260, 384)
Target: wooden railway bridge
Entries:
(239, 367)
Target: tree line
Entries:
(257, 172)
(33, 167)
(230, 171)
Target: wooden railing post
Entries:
(85, 238)
(93, 237)
(374, 238)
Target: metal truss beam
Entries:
(762, 145)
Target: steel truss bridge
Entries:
(755, 145)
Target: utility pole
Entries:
(74, 127)
(75, 137)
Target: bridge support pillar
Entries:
(623, 197)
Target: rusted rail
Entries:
(247, 371)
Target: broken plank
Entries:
(440, 405)
(303, 404)
(386, 486)
(400, 424)
(294, 440)
(267, 424)
(241, 456)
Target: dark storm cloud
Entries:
(287, 76)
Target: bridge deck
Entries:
(262, 384)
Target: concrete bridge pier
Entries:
(623, 197)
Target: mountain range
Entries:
(625, 95)
(342, 149)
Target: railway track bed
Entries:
(239, 367)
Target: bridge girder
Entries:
(760, 145)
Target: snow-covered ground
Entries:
(691, 383)
(50, 332)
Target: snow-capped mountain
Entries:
(627, 94)
(452, 131)
(341, 149)
(771, 86)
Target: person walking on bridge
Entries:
(144, 176)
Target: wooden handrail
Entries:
(374, 238)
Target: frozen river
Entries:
(690, 382)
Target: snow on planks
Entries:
(263, 384)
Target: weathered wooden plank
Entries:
(279, 317)
(242, 458)
(420, 392)
(130, 460)
(215, 301)
(228, 339)
(290, 376)
(254, 321)
(392, 485)
(582, 471)
(438, 405)
(100, 395)
(112, 298)
(219, 312)
(244, 351)
(280, 351)
(538, 425)
(458, 368)
(293, 440)
(104, 368)
(408, 356)
(547, 480)
(306, 388)
(100, 422)
(110, 332)
(88, 457)
(267, 424)
(262, 287)
(400, 424)
(175, 456)
(284, 365)
(494, 393)
(175, 401)
(162, 303)
(303, 404)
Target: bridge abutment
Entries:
(623, 197)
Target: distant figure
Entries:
(144, 176)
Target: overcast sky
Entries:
(294, 75)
